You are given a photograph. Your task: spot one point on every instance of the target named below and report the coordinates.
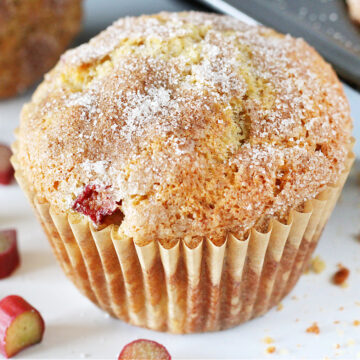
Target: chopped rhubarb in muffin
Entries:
(95, 202)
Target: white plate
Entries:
(77, 329)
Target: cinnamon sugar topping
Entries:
(199, 124)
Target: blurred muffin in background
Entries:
(33, 34)
(354, 9)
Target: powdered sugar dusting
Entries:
(146, 107)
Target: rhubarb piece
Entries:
(21, 325)
(144, 349)
(9, 255)
(6, 169)
(95, 202)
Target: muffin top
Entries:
(187, 125)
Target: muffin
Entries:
(354, 10)
(33, 34)
(183, 166)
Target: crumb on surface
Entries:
(340, 277)
(317, 265)
(270, 349)
(268, 340)
(279, 307)
(313, 329)
(356, 322)
(336, 322)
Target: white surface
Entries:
(77, 329)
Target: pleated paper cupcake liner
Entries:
(183, 289)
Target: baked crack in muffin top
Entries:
(189, 124)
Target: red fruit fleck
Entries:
(6, 169)
(95, 202)
(9, 254)
(144, 349)
(341, 276)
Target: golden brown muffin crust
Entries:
(33, 34)
(196, 124)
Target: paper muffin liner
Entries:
(183, 289)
